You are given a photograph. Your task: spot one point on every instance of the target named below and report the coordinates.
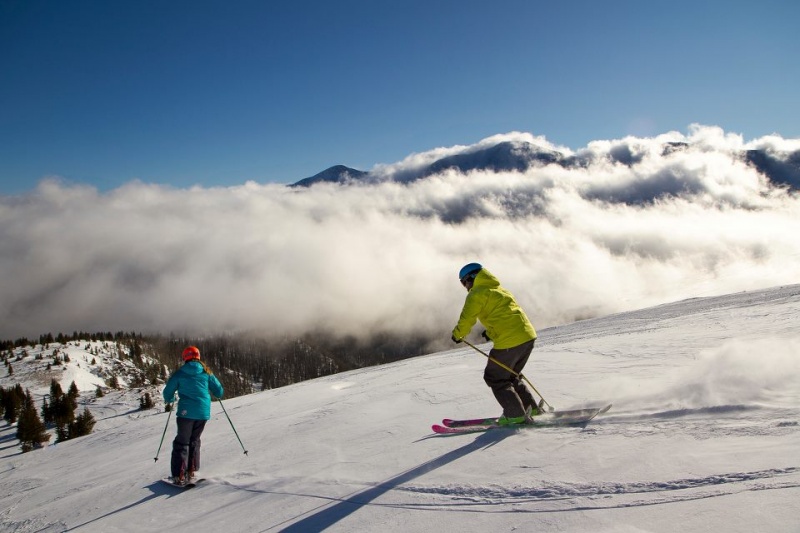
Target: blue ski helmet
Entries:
(466, 270)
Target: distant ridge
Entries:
(503, 157)
(779, 171)
(520, 156)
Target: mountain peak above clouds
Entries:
(334, 174)
(520, 155)
(505, 156)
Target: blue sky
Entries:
(217, 93)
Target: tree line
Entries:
(62, 338)
(244, 362)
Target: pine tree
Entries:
(146, 402)
(47, 411)
(83, 424)
(11, 404)
(62, 432)
(30, 429)
(62, 407)
(72, 395)
(55, 389)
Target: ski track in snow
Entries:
(554, 496)
(696, 423)
(564, 496)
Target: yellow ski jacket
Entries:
(505, 321)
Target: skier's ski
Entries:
(562, 418)
(189, 485)
(554, 416)
(451, 423)
(461, 430)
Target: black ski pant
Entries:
(509, 390)
(186, 446)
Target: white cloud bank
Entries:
(615, 233)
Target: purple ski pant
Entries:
(186, 446)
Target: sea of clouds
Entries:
(614, 233)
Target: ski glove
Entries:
(457, 341)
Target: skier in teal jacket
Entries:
(195, 384)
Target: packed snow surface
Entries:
(703, 435)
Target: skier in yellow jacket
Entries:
(510, 331)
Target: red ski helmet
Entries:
(191, 353)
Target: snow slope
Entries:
(703, 436)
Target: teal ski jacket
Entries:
(194, 385)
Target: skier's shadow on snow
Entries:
(324, 518)
(157, 489)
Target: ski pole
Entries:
(231, 423)
(155, 459)
(509, 369)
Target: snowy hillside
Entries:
(703, 436)
(90, 365)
